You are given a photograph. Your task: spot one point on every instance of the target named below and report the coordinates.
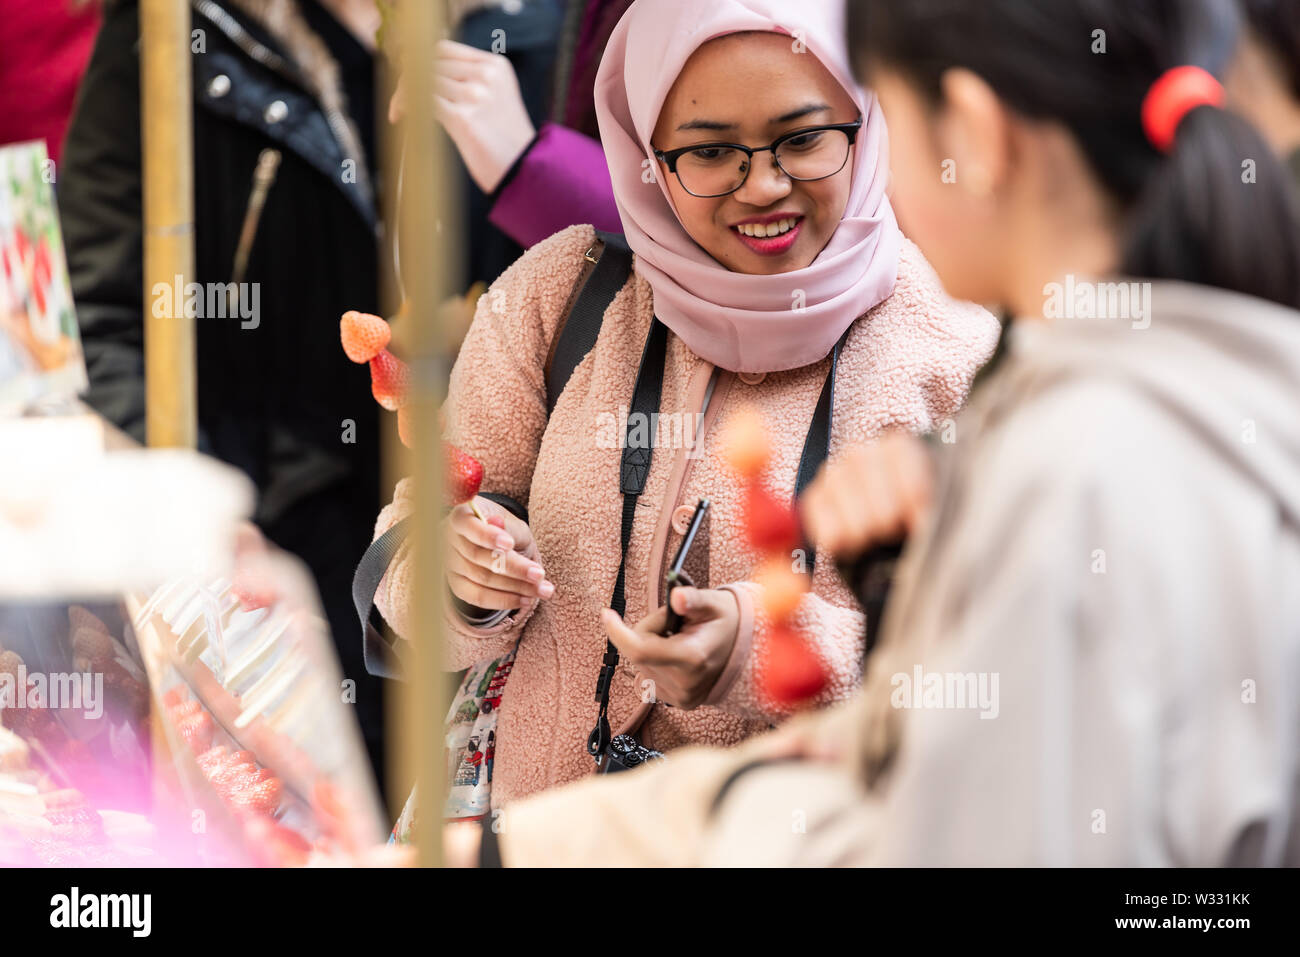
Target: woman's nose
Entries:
(766, 184)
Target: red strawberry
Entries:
(791, 672)
(746, 447)
(363, 335)
(82, 825)
(261, 793)
(464, 474)
(388, 378)
(772, 525)
(174, 697)
(274, 844)
(783, 588)
(212, 759)
(197, 730)
(184, 709)
(230, 778)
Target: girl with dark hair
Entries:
(1092, 652)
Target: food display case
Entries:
(158, 706)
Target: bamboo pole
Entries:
(426, 210)
(167, 137)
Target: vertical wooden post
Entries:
(167, 135)
(428, 225)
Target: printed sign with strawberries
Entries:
(40, 350)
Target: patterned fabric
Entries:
(470, 742)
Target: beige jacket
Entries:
(1117, 540)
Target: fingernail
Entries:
(546, 589)
(536, 574)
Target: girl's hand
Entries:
(874, 494)
(684, 667)
(493, 565)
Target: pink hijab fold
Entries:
(741, 322)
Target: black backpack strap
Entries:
(365, 582)
(817, 444)
(612, 261)
(634, 470)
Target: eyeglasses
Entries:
(710, 170)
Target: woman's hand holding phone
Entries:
(493, 564)
(684, 667)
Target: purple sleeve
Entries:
(561, 181)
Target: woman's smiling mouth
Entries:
(770, 235)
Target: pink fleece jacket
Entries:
(907, 363)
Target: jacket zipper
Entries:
(273, 61)
(268, 164)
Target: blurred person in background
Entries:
(44, 47)
(284, 154)
(1264, 83)
(514, 91)
(1092, 652)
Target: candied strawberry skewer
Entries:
(365, 339)
(791, 672)
(463, 477)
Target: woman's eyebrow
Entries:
(705, 125)
(719, 127)
(801, 112)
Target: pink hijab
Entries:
(741, 322)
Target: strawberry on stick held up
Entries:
(365, 339)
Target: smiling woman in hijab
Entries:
(750, 173)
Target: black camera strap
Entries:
(633, 471)
(635, 468)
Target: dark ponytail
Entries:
(1219, 209)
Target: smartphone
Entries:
(675, 575)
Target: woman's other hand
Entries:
(683, 667)
(493, 564)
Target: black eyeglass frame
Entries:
(670, 157)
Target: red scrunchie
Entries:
(1172, 97)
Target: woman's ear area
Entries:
(974, 131)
